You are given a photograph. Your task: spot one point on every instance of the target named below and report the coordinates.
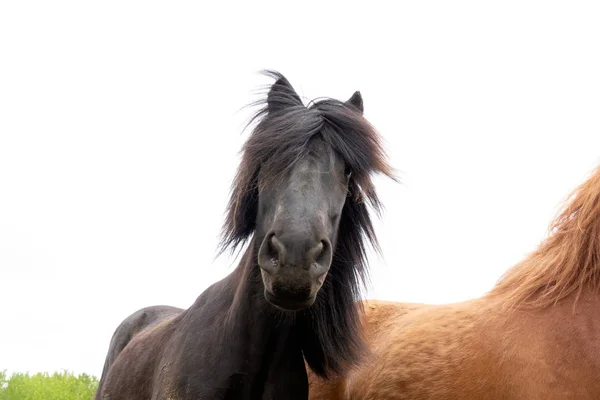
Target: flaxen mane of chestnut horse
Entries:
(300, 199)
(535, 335)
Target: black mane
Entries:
(331, 337)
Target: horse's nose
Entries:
(295, 251)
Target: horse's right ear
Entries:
(356, 101)
(282, 95)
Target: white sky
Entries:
(120, 128)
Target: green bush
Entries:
(42, 386)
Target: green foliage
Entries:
(42, 386)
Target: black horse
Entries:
(300, 198)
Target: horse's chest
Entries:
(248, 385)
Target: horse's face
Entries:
(299, 216)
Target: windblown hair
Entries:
(332, 337)
(566, 261)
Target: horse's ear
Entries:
(282, 95)
(356, 101)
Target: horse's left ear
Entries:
(282, 95)
(356, 101)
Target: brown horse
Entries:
(535, 335)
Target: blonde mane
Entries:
(566, 261)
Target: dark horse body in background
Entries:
(300, 198)
(130, 327)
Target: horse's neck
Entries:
(583, 306)
(260, 339)
(263, 325)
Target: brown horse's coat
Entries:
(536, 335)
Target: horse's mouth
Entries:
(289, 304)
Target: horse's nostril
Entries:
(321, 248)
(271, 246)
(276, 246)
(323, 257)
(269, 254)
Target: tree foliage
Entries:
(43, 386)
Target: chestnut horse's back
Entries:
(378, 318)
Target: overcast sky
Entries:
(121, 122)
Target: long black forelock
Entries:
(280, 139)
